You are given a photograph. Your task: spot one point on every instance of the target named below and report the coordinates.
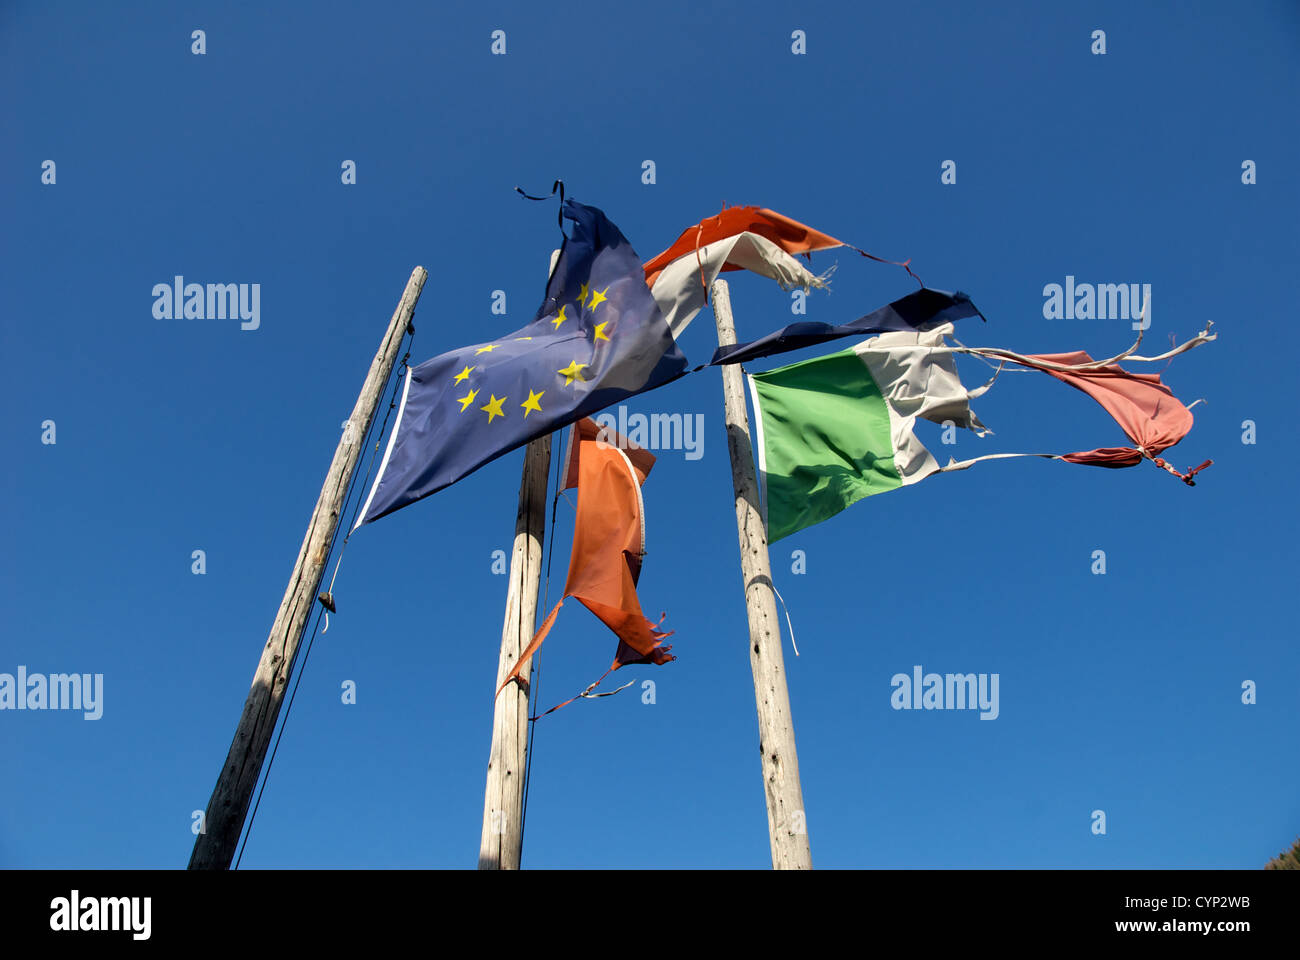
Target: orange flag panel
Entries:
(608, 544)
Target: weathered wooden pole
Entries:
(501, 843)
(786, 820)
(224, 819)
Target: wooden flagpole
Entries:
(502, 839)
(224, 819)
(786, 819)
(501, 844)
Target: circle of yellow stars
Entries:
(588, 298)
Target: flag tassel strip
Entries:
(586, 695)
(905, 264)
(953, 465)
(1160, 462)
(997, 353)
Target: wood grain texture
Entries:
(786, 818)
(502, 839)
(501, 844)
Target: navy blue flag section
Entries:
(598, 338)
(924, 309)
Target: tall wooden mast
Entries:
(786, 818)
(224, 819)
(501, 842)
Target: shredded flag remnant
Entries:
(924, 309)
(598, 338)
(608, 546)
(738, 238)
(838, 428)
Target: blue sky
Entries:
(1119, 692)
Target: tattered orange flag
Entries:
(790, 235)
(739, 238)
(608, 544)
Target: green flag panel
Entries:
(824, 433)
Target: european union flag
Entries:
(598, 338)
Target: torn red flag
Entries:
(1140, 403)
(608, 546)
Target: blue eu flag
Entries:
(598, 338)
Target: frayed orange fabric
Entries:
(608, 544)
(643, 460)
(790, 235)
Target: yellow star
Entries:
(488, 349)
(531, 403)
(493, 407)
(467, 400)
(571, 372)
(599, 332)
(559, 318)
(597, 296)
(462, 375)
(582, 297)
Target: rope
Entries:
(557, 186)
(353, 487)
(787, 618)
(587, 694)
(905, 264)
(275, 749)
(536, 683)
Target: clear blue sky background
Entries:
(1119, 692)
